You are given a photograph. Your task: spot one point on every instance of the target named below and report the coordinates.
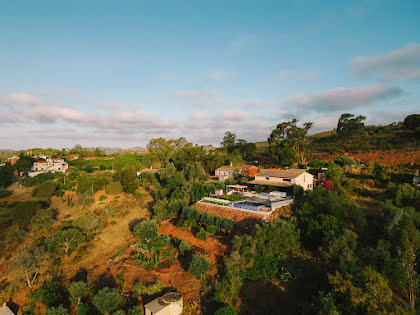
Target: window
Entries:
(267, 178)
(287, 179)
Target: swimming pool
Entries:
(248, 205)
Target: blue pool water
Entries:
(248, 205)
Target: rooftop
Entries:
(292, 173)
(228, 168)
(270, 183)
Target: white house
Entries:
(49, 165)
(169, 304)
(226, 171)
(5, 310)
(284, 178)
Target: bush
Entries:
(107, 300)
(60, 310)
(83, 309)
(114, 188)
(64, 241)
(201, 234)
(146, 230)
(102, 197)
(153, 288)
(50, 293)
(42, 219)
(24, 211)
(225, 310)
(198, 266)
(344, 161)
(135, 310)
(184, 247)
(4, 193)
(45, 190)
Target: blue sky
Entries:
(117, 73)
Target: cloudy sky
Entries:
(118, 73)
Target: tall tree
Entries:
(289, 142)
(349, 125)
(229, 141)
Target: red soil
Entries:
(384, 157)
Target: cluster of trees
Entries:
(257, 256)
(83, 297)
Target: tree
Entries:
(6, 175)
(369, 290)
(412, 122)
(146, 230)
(201, 234)
(289, 142)
(45, 190)
(409, 263)
(60, 310)
(228, 141)
(50, 293)
(107, 300)
(225, 310)
(198, 266)
(30, 263)
(78, 290)
(349, 125)
(64, 241)
(24, 211)
(129, 179)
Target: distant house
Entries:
(5, 310)
(169, 304)
(416, 179)
(284, 178)
(12, 160)
(49, 165)
(226, 171)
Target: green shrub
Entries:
(24, 211)
(45, 190)
(64, 241)
(83, 309)
(60, 310)
(4, 193)
(135, 310)
(153, 288)
(50, 293)
(201, 234)
(225, 310)
(102, 197)
(114, 188)
(146, 230)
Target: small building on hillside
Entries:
(5, 310)
(12, 160)
(226, 171)
(49, 165)
(169, 304)
(284, 178)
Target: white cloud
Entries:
(399, 64)
(20, 98)
(343, 98)
(112, 105)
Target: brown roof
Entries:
(228, 168)
(270, 183)
(292, 173)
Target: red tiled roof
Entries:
(292, 173)
(228, 168)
